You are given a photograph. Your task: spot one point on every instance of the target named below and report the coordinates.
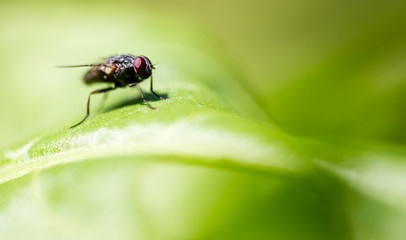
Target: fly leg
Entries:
(162, 98)
(88, 103)
(142, 94)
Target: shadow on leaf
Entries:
(149, 96)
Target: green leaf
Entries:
(209, 120)
(205, 121)
(210, 162)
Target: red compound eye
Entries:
(140, 65)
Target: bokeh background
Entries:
(330, 71)
(319, 68)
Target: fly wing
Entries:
(102, 72)
(86, 65)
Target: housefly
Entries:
(122, 70)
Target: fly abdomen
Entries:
(100, 74)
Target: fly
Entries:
(122, 70)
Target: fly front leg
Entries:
(152, 90)
(88, 103)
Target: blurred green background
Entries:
(328, 71)
(324, 69)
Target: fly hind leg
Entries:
(88, 103)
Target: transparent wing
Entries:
(86, 65)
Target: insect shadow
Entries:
(149, 96)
